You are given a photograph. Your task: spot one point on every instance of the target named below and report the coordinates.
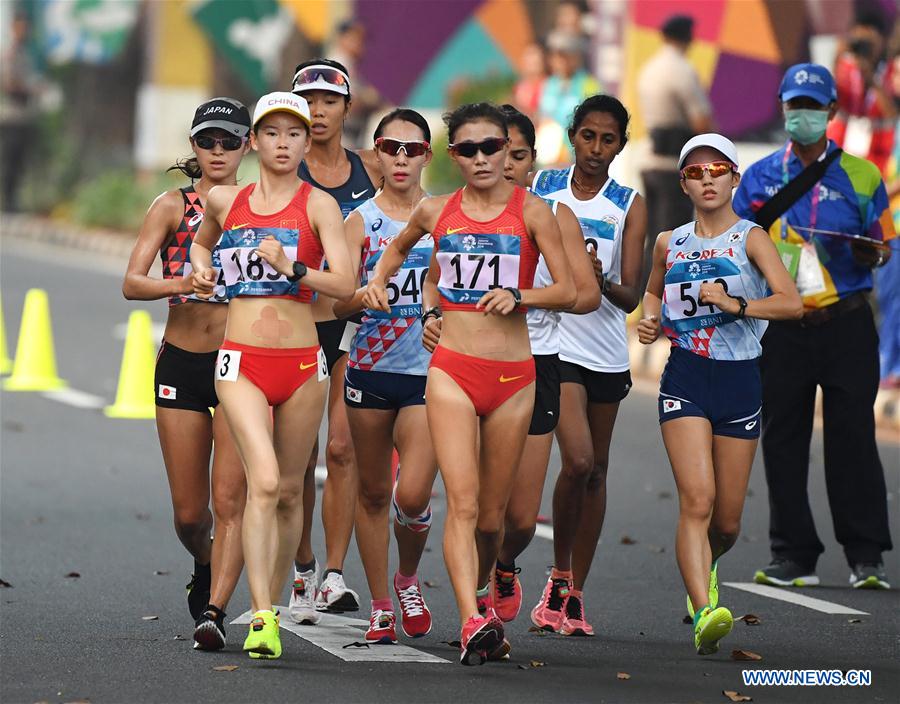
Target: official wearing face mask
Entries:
(827, 212)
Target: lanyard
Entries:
(814, 205)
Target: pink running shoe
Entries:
(549, 612)
(381, 627)
(507, 594)
(415, 618)
(485, 606)
(480, 637)
(574, 624)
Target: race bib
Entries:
(600, 235)
(228, 364)
(471, 265)
(248, 274)
(349, 333)
(405, 288)
(219, 293)
(323, 365)
(682, 293)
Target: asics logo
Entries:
(304, 367)
(506, 379)
(549, 413)
(360, 194)
(454, 230)
(681, 240)
(750, 425)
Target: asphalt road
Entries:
(84, 494)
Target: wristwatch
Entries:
(300, 270)
(742, 302)
(433, 312)
(517, 294)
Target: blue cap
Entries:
(810, 81)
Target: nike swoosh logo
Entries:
(505, 379)
(304, 367)
(361, 193)
(454, 230)
(240, 227)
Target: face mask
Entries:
(805, 126)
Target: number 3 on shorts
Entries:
(228, 364)
(323, 365)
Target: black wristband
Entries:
(300, 270)
(433, 312)
(742, 302)
(517, 294)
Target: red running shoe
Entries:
(381, 627)
(480, 637)
(415, 618)
(507, 594)
(550, 611)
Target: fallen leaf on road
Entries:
(142, 516)
(5, 584)
(531, 665)
(745, 655)
(656, 548)
(149, 618)
(73, 575)
(849, 620)
(628, 540)
(225, 668)
(735, 697)
(664, 495)
(537, 629)
(179, 637)
(623, 676)
(431, 584)
(687, 619)
(641, 633)
(750, 619)
(452, 643)
(355, 644)
(160, 573)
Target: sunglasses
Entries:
(229, 144)
(694, 172)
(393, 147)
(321, 74)
(487, 147)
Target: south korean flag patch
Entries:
(670, 404)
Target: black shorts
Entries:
(546, 395)
(185, 379)
(601, 387)
(331, 332)
(386, 391)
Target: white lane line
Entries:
(542, 531)
(74, 397)
(334, 632)
(782, 594)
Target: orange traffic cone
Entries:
(35, 365)
(134, 396)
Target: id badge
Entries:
(790, 257)
(810, 280)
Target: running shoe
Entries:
(302, 608)
(381, 627)
(209, 630)
(869, 575)
(481, 635)
(711, 627)
(713, 594)
(484, 603)
(335, 596)
(507, 594)
(782, 572)
(198, 592)
(415, 618)
(574, 623)
(549, 612)
(263, 640)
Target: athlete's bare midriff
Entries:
(500, 337)
(271, 322)
(196, 327)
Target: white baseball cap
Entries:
(281, 101)
(712, 140)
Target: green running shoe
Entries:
(712, 626)
(713, 590)
(263, 640)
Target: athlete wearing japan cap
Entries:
(184, 369)
(708, 293)
(274, 234)
(480, 391)
(349, 177)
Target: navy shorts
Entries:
(386, 391)
(185, 380)
(546, 394)
(727, 393)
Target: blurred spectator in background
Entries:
(18, 108)
(568, 84)
(570, 17)
(532, 73)
(348, 49)
(864, 125)
(674, 107)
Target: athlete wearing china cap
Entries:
(274, 234)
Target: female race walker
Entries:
(525, 500)
(708, 293)
(273, 234)
(349, 177)
(385, 385)
(488, 236)
(593, 353)
(185, 366)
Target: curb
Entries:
(647, 362)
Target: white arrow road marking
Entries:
(783, 594)
(334, 632)
(74, 397)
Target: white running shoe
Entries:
(334, 596)
(303, 597)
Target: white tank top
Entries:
(542, 323)
(594, 340)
